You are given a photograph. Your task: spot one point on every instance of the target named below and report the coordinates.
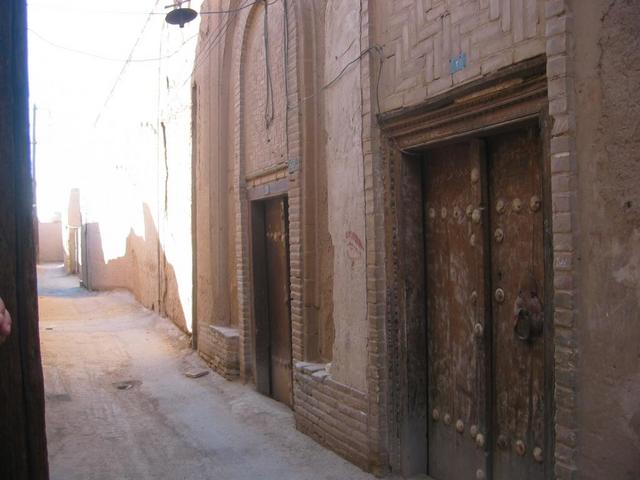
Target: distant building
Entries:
(50, 245)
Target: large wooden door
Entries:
(455, 282)
(278, 299)
(517, 313)
(484, 251)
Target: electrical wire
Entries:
(218, 36)
(203, 54)
(124, 12)
(66, 8)
(110, 59)
(211, 43)
(215, 38)
(233, 10)
(344, 69)
(285, 64)
(373, 48)
(126, 63)
(269, 107)
(216, 12)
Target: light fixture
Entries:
(180, 15)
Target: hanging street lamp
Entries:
(180, 15)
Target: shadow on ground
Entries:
(120, 405)
(53, 281)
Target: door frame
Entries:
(506, 100)
(260, 332)
(22, 429)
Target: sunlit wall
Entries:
(112, 86)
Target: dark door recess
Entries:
(484, 251)
(271, 287)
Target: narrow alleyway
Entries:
(119, 405)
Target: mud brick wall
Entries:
(331, 413)
(219, 347)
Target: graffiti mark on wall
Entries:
(354, 246)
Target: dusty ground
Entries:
(166, 426)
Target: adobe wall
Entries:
(203, 125)
(216, 295)
(250, 135)
(50, 241)
(72, 225)
(592, 76)
(325, 145)
(136, 199)
(345, 195)
(607, 82)
(213, 173)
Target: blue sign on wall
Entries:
(457, 63)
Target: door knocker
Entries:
(528, 314)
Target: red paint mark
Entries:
(354, 245)
(353, 238)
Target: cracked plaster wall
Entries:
(345, 196)
(607, 74)
(136, 190)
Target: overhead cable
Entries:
(125, 12)
(215, 37)
(110, 59)
(126, 62)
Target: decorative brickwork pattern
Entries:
(421, 37)
(263, 103)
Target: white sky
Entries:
(70, 88)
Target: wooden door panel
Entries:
(517, 278)
(484, 256)
(261, 335)
(455, 304)
(278, 300)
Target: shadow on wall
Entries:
(143, 269)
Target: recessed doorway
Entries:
(485, 307)
(272, 318)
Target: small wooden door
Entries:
(484, 254)
(278, 287)
(272, 305)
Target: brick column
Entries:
(559, 49)
(374, 246)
